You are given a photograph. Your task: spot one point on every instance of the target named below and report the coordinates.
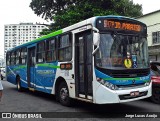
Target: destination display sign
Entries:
(122, 25)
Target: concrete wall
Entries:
(152, 20)
(153, 24)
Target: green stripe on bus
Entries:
(48, 65)
(19, 67)
(48, 36)
(42, 65)
(124, 79)
(121, 78)
(40, 39)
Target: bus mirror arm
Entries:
(93, 53)
(95, 29)
(96, 39)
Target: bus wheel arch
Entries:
(62, 92)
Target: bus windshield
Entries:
(122, 51)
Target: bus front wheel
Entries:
(63, 94)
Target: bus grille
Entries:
(126, 97)
(126, 75)
(132, 86)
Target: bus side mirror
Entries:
(96, 39)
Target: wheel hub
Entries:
(63, 93)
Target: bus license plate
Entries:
(136, 93)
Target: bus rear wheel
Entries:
(63, 94)
(19, 87)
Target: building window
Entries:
(156, 37)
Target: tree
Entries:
(68, 12)
(49, 8)
(128, 8)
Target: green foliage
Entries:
(49, 8)
(128, 8)
(68, 12)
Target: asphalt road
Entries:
(27, 101)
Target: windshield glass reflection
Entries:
(122, 51)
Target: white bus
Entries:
(100, 60)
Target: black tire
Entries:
(19, 87)
(63, 94)
(156, 95)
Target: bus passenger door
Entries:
(83, 64)
(31, 61)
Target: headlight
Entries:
(147, 83)
(107, 84)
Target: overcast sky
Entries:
(16, 11)
(148, 5)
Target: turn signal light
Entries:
(66, 66)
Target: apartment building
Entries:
(153, 30)
(17, 34)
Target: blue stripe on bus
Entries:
(121, 81)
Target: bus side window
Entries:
(13, 58)
(50, 50)
(41, 52)
(23, 55)
(8, 57)
(65, 48)
(18, 57)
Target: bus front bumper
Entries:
(103, 95)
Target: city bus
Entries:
(101, 60)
